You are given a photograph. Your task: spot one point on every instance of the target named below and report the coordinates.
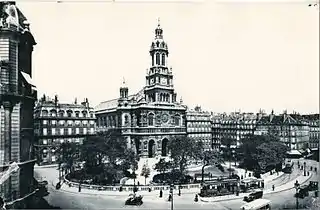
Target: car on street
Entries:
(253, 196)
(257, 205)
(303, 191)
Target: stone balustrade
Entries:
(129, 188)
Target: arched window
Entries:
(44, 113)
(157, 59)
(84, 113)
(61, 113)
(69, 112)
(177, 120)
(152, 60)
(53, 113)
(126, 120)
(163, 59)
(151, 119)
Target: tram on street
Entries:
(259, 204)
(219, 187)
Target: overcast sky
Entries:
(225, 57)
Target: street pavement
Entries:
(75, 200)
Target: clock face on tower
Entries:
(163, 81)
(165, 118)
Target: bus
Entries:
(259, 204)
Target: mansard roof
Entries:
(282, 119)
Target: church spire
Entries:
(159, 31)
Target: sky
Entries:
(226, 55)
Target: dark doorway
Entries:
(164, 147)
(137, 143)
(151, 149)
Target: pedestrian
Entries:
(79, 187)
(138, 183)
(272, 187)
(161, 193)
(179, 192)
(196, 198)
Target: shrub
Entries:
(174, 176)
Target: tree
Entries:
(66, 153)
(145, 172)
(227, 141)
(182, 151)
(93, 151)
(207, 157)
(270, 154)
(262, 151)
(163, 166)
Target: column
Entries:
(157, 97)
(7, 105)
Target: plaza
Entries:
(69, 197)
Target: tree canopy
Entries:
(163, 166)
(262, 151)
(107, 154)
(66, 154)
(183, 150)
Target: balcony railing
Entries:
(158, 130)
(145, 130)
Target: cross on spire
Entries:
(158, 21)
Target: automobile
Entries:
(134, 200)
(313, 185)
(303, 191)
(253, 196)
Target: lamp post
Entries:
(304, 169)
(234, 157)
(171, 193)
(296, 186)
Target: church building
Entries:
(149, 118)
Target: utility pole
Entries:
(296, 186)
(171, 192)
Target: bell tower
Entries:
(159, 86)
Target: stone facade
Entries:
(199, 127)
(151, 117)
(235, 125)
(56, 123)
(314, 134)
(17, 98)
(293, 130)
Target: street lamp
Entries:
(297, 187)
(171, 193)
(304, 169)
